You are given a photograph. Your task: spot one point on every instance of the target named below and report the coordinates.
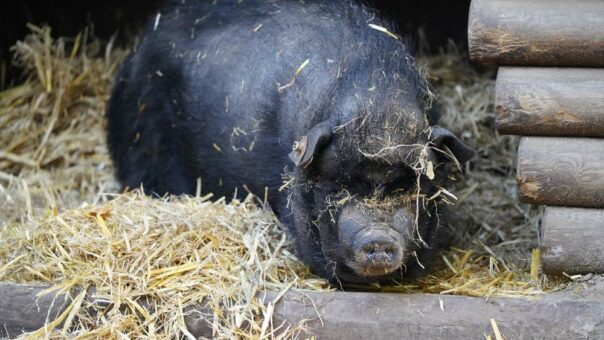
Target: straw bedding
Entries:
(64, 225)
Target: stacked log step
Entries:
(550, 90)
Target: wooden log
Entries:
(572, 241)
(550, 101)
(561, 171)
(537, 32)
(343, 315)
(428, 316)
(23, 309)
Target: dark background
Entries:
(440, 20)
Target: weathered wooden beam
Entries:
(550, 101)
(427, 316)
(342, 315)
(24, 309)
(21, 309)
(572, 241)
(537, 32)
(561, 171)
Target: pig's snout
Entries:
(377, 253)
(372, 239)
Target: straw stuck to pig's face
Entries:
(366, 197)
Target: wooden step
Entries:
(573, 241)
(349, 315)
(537, 32)
(550, 101)
(561, 171)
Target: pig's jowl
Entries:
(321, 95)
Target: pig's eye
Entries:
(359, 186)
(402, 181)
(402, 184)
(409, 185)
(363, 188)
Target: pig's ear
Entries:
(442, 137)
(309, 145)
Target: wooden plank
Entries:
(537, 32)
(550, 101)
(344, 315)
(427, 316)
(21, 310)
(561, 171)
(572, 241)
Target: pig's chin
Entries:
(347, 274)
(374, 271)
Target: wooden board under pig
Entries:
(344, 315)
(561, 171)
(550, 101)
(537, 32)
(572, 241)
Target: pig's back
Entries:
(212, 92)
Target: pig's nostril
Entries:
(379, 256)
(376, 252)
(384, 251)
(370, 250)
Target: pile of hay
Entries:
(178, 251)
(175, 252)
(52, 150)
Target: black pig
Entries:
(321, 93)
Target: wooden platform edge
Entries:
(343, 315)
